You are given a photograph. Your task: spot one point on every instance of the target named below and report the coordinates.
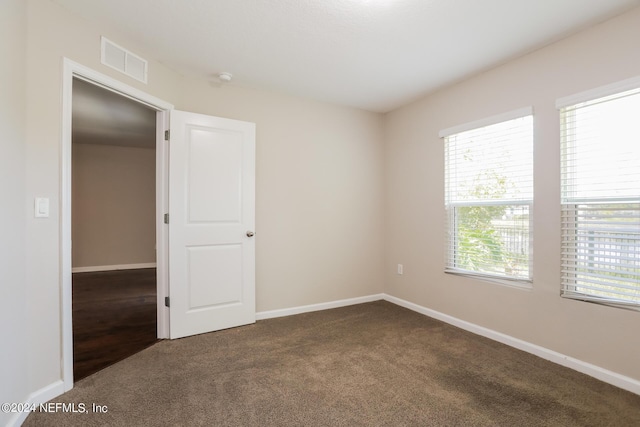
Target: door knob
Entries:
(250, 233)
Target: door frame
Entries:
(72, 69)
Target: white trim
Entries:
(502, 202)
(488, 121)
(36, 398)
(65, 225)
(113, 267)
(115, 86)
(262, 315)
(71, 69)
(602, 374)
(599, 92)
(162, 229)
(524, 284)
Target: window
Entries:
(600, 144)
(489, 197)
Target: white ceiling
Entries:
(372, 54)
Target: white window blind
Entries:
(489, 199)
(601, 199)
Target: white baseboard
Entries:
(112, 267)
(602, 374)
(43, 395)
(317, 307)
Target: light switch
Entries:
(42, 207)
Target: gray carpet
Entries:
(372, 364)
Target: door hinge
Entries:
(166, 302)
(167, 135)
(166, 218)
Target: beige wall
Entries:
(13, 293)
(113, 205)
(607, 337)
(319, 182)
(318, 194)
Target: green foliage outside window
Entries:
(485, 240)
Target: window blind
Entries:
(600, 158)
(488, 200)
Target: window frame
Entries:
(570, 206)
(451, 218)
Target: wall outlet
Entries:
(400, 269)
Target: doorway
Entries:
(73, 73)
(114, 289)
(212, 189)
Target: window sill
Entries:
(522, 284)
(600, 301)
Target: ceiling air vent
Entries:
(124, 61)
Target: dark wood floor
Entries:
(114, 317)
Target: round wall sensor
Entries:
(225, 77)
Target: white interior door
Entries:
(211, 223)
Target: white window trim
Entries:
(599, 92)
(568, 101)
(504, 281)
(498, 118)
(526, 284)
